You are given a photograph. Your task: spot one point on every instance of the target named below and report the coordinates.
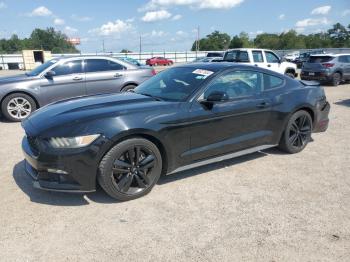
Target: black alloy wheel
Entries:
(130, 169)
(298, 132)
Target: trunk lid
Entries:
(318, 62)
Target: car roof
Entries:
(248, 49)
(218, 66)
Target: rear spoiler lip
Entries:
(310, 83)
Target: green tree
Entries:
(48, 39)
(215, 41)
(340, 35)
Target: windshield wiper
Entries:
(149, 95)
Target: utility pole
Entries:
(103, 45)
(140, 50)
(197, 47)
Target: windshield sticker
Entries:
(202, 72)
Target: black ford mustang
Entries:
(181, 118)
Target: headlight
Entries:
(72, 142)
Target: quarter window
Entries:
(271, 57)
(98, 65)
(257, 56)
(271, 82)
(236, 84)
(344, 59)
(68, 68)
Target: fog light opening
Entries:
(57, 171)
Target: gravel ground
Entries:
(266, 206)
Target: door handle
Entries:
(263, 105)
(256, 65)
(117, 75)
(268, 65)
(77, 78)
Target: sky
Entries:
(166, 25)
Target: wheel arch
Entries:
(129, 84)
(290, 69)
(22, 92)
(148, 136)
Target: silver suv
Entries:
(327, 68)
(64, 78)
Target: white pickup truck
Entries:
(262, 58)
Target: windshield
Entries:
(320, 59)
(36, 71)
(175, 84)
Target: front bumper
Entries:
(72, 170)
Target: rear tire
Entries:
(130, 169)
(336, 79)
(297, 133)
(17, 107)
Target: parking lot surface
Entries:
(266, 206)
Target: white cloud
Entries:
(81, 18)
(113, 28)
(299, 30)
(181, 33)
(58, 21)
(153, 16)
(322, 10)
(312, 22)
(176, 17)
(281, 16)
(199, 4)
(70, 30)
(253, 34)
(41, 11)
(218, 4)
(346, 12)
(2, 5)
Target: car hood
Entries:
(83, 109)
(15, 78)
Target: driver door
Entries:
(234, 124)
(68, 81)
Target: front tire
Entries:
(130, 169)
(127, 88)
(17, 107)
(290, 74)
(297, 133)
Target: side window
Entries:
(271, 57)
(271, 82)
(230, 56)
(99, 65)
(257, 56)
(243, 57)
(344, 59)
(68, 68)
(236, 84)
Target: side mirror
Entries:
(50, 74)
(217, 96)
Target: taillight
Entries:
(328, 65)
(154, 72)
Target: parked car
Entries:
(261, 58)
(63, 78)
(183, 117)
(291, 56)
(327, 68)
(207, 59)
(303, 57)
(156, 61)
(130, 60)
(215, 54)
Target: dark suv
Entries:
(327, 68)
